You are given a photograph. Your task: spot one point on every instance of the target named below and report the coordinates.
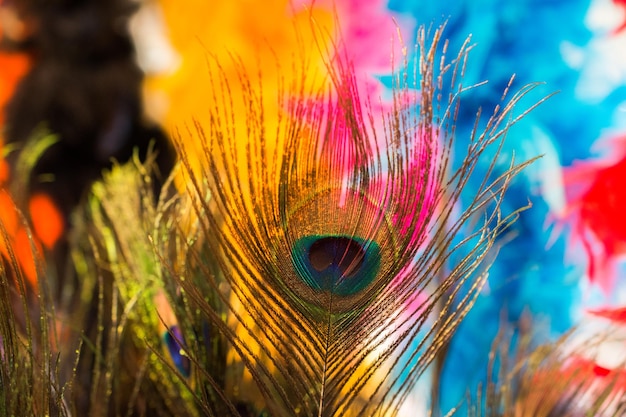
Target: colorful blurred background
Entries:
(108, 76)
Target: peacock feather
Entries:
(317, 248)
(327, 234)
(37, 348)
(306, 269)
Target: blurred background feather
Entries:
(339, 237)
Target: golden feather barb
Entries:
(327, 232)
(550, 380)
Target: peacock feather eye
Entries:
(173, 340)
(342, 265)
(341, 251)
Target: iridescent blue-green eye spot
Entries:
(173, 339)
(342, 265)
